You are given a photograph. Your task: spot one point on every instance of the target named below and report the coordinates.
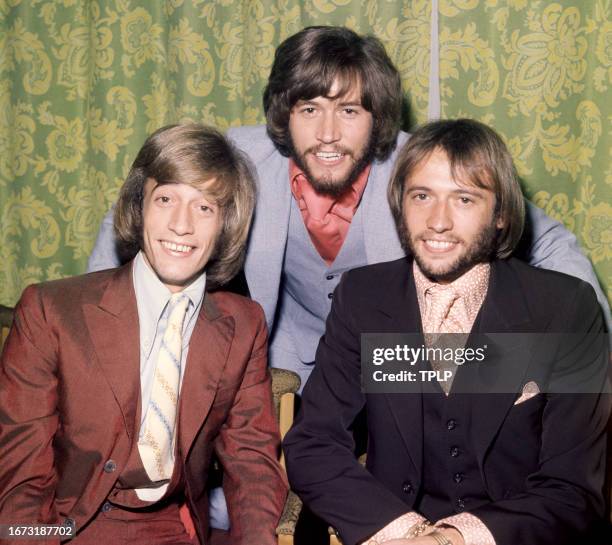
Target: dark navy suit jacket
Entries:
(541, 462)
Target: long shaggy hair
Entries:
(307, 64)
(477, 155)
(202, 157)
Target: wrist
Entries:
(451, 534)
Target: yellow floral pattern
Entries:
(82, 83)
(544, 70)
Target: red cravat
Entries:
(327, 219)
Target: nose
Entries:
(440, 218)
(328, 128)
(181, 220)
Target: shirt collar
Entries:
(471, 287)
(152, 295)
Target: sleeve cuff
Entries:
(396, 529)
(473, 530)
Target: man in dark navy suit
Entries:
(515, 444)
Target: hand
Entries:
(452, 534)
(421, 540)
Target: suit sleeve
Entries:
(28, 417)
(319, 449)
(104, 254)
(248, 447)
(562, 499)
(554, 247)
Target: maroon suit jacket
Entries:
(70, 389)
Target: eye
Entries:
(420, 196)
(308, 110)
(162, 199)
(465, 200)
(206, 210)
(350, 112)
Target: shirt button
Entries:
(450, 425)
(110, 466)
(454, 452)
(460, 503)
(106, 507)
(407, 488)
(330, 295)
(330, 277)
(458, 477)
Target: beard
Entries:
(480, 250)
(326, 185)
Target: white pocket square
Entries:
(529, 390)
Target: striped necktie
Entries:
(157, 437)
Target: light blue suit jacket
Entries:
(553, 246)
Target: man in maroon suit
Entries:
(117, 387)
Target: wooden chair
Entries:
(285, 384)
(6, 319)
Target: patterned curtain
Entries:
(83, 82)
(540, 72)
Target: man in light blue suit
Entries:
(323, 164)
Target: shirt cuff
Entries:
(396, 529)
(473, 530)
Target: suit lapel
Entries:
(494, 383)
(113, 329)
(268, 236)
(209, 348)
(399, 312)
(380, 235)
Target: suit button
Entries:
(110, 466)
(454, 452)
(330, 277)
(330, 295)
(106, 507)
(458, 477)
(460, 503)
(69, 523)
(407, 488)
(450, 425)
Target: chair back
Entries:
(6, 319)
(285, 385)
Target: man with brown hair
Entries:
(500, 449)
(117, 387)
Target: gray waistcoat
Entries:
(306, 287)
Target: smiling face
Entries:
(331, 139)
(180, 229)
(449, 226)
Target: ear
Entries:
(500, 223)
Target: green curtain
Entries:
(540, 72)
(82, 83)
